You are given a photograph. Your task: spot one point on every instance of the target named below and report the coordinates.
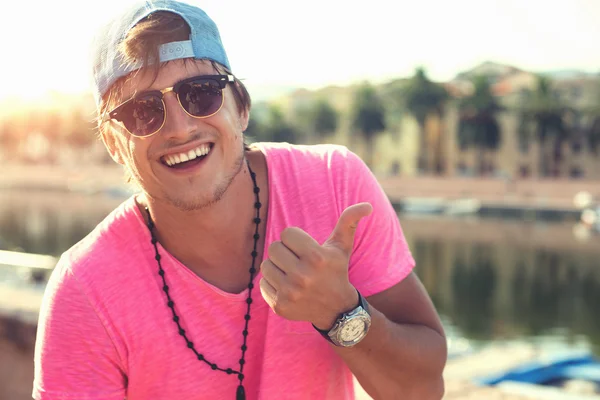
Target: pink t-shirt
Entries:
(106, 333)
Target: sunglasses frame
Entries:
(222, 80)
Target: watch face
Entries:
(352, 330)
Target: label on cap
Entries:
(175, 50)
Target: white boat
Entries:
(463, 207)
(591, 217)
(423, 205)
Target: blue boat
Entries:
(547, 379)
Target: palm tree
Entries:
(277, 128)
(424, 98)
(368, 117)
(593, 133)
(324, 118)
(594, 136)
(478, 127)
(546, 113)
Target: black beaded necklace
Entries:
(240, 392)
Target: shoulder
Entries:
(299, 150)
(109, 237)
(328, 156)
(323, 169)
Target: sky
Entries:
(314, 43)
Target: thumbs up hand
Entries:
(306, 281)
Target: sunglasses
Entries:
(146, 113)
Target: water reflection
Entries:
(490, 279)
(49, 222)
(473, 292)
(491, 291)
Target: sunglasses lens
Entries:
(201, 98)
(143, 116)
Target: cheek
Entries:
(131, 148)
(122, 148)
(232, 126)
(136, 152)
(231, 120)
(233, 116)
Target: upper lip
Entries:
(183, 149)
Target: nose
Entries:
(178, 124)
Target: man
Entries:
(268, 271)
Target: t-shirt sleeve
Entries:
(75, 357)
(381, 257)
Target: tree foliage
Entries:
(324, 118)
(593, 132)
(277, 128)
(367, 111)
(424, 96)
(546, 113)
(594, 136)
(368, 116)
(478, 127)
(478, 117)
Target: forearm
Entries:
(398, 360)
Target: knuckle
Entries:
(316, 258)
(265, 266)
(289, 233)
(274, 246)
(301, 281)
(286, 233)
(291, 295)
(279, 308)
(262, 284)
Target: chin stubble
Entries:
(220, 190)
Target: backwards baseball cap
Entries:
(108, 63)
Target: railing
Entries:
(34, 267)
(27, 260)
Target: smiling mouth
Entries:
(187, 159)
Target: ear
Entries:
(244, 118)
(111, 145)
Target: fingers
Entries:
(272, 274)
(282, 257)
(268, 292)
(298, 242)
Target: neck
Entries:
(223, 227)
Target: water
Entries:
(510, 280)
(490, 279)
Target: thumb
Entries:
(342, 236)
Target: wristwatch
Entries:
(350, 327)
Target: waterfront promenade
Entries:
(551, 194)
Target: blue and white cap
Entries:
(108, 63)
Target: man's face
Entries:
(190, 185)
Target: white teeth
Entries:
(201, 150)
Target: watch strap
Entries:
(362, 302)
